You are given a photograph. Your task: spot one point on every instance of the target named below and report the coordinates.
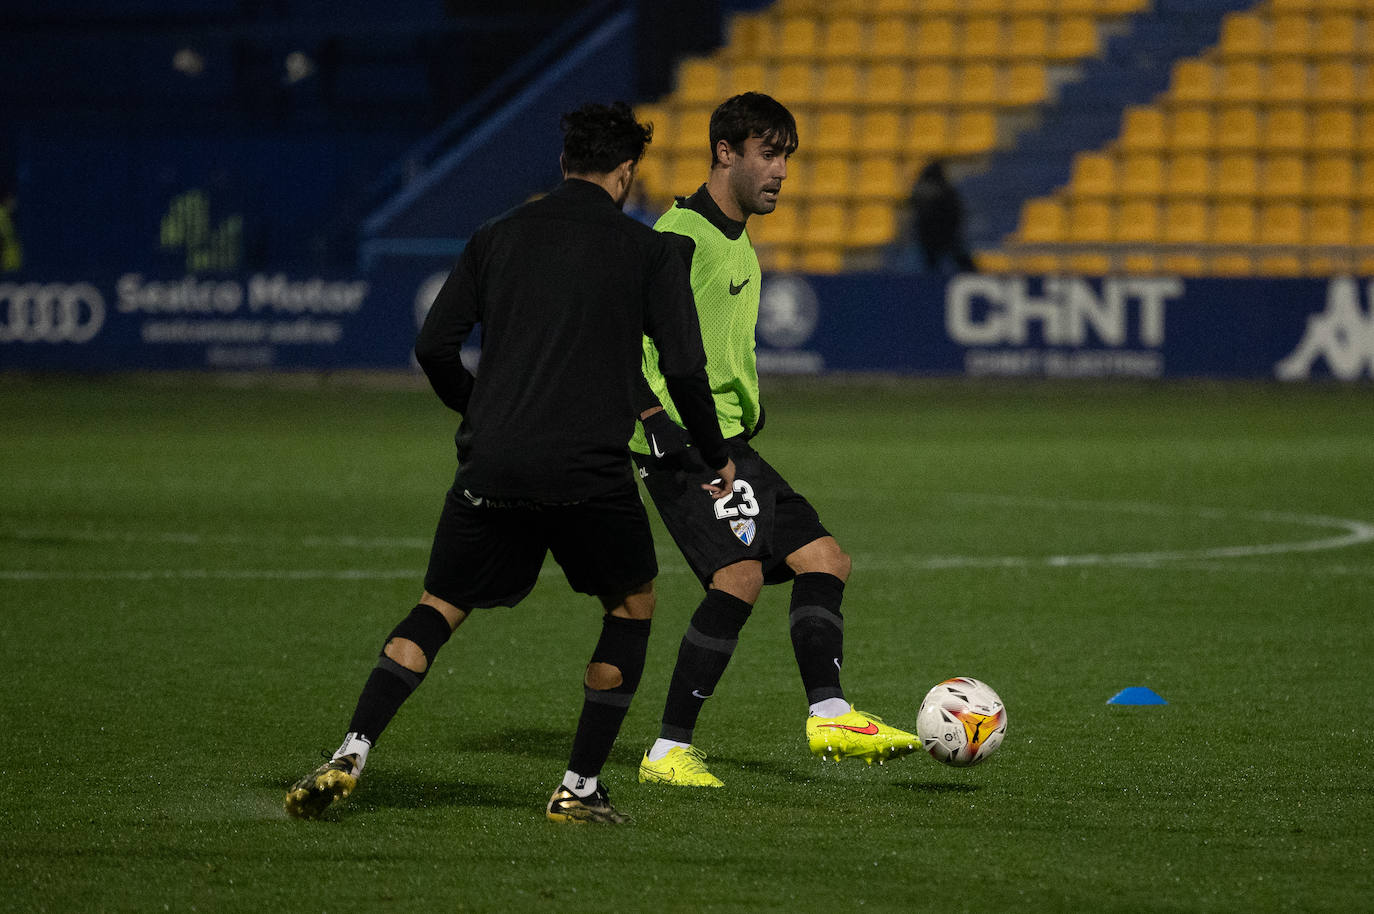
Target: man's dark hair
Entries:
(597, 138)
(753, 114)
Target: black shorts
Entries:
(491, 556)
(765, 519)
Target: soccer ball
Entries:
(961, 722)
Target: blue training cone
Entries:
(1136, 695)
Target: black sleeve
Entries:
(671, 322)
(439, 346)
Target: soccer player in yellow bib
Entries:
(765, 533)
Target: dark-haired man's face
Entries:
(756, 175)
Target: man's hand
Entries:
(667, 440)
(724, 484)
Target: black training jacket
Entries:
(565, 287)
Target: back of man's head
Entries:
(597, 138)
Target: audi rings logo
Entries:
(50, 312)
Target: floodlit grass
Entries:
(196, 575)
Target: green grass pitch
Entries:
(196, 575)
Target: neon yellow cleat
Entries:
(857, 735)
(680, 768)
(323, 787)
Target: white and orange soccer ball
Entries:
(961, 721)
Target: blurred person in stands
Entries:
(938, 222)
(565, 287)
(763, 532)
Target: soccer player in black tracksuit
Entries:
(564, 288)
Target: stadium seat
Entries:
(1334, 81)
(978, 83)
(1283, 175)
(1182, 263)
(1364, 186)
(1290, 34)
(842, 38)
(880, 131)
(1330, 224)
(1281, 223)
(1238, 127)
(1237, 175)
(1140, 263)
(932, 84)
(834, 131)
(981, 38)
(1094, 174)
(891, 37)
(839, 84)
(797, 37)
(1241, 80)
(826, 224)
(1026, 84)
(1090, 220)
(1188, 175)
(1043, 221)
(698, 81)
(1278, 265)
(691, 130)
(1088, 263)
(1285, 129)
(879, 176)
(1193, 80)
(1233, 222)
(1142, 128)
(1364, 226)
(829, 177)
(824, 260)
(1141, 174)
(1230, 263)
(1243, 34)
(974, 133)
(1333, 129)
(936, 37)
(794, 80)
(1074, 37)
(1332, 177)
(1286, 80)
(1043, 262)
(885, 83)
(873, 224)
(1028, 37)
(1137, 222)
(927, 134)
(1335, 35)
(1191, 127)
(750, 36)
(745, 76)
(1185, 222)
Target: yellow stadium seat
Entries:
(1189, 175)
(1332, 177)
(1137, 222)
(978, 83)
(1140, 263)
(1364, 132)
(1142, 128)
(691, 131)
(1287, 80)
(834, 132)
(750, 36)
(1179, 263)
(794, 82)
(1233, 222)
(936, 37)
(1074, 37)
(880, 177)
(1283, 175)
(1333, 129)
(1185, 222)
(1043, 221)
(1237, 175)
(1031, 7)
(798, 37)
(995, 262)
(974, 132)
(880, 131)
(874, 223)
(821, 260)
(782, 227)
(1364, 169)
(1238, 127)
(829, 177)
(1290, 34)
(1090, 220)
(1088, 263)
(1094, 174)
(1243, 34)
(1285, 265)
(688, 172)
(1281, 223)
(1039, 263)
(1241, 80)
(932, 84)
(927, 133)
(698, 81)
(1330, 224)
(885, 83)
(981, 38)
(1141, 174)
(842, 38)
(1364, 227)
(983, 7)
(745, 76)
(1026, 83)
(1230, 264)
(1193, 80)
(660, 117)
(891, 36)
(1191, 127)
(839, 83)
(1028, 37)
(1335, 81)
(1285, 129)
(1335, 34)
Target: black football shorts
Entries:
(486, 555)
(765, 519)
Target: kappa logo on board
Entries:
(1342, 335)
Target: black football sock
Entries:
(622, 646)
(701, 660)
(390, 684)
(817, 630)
